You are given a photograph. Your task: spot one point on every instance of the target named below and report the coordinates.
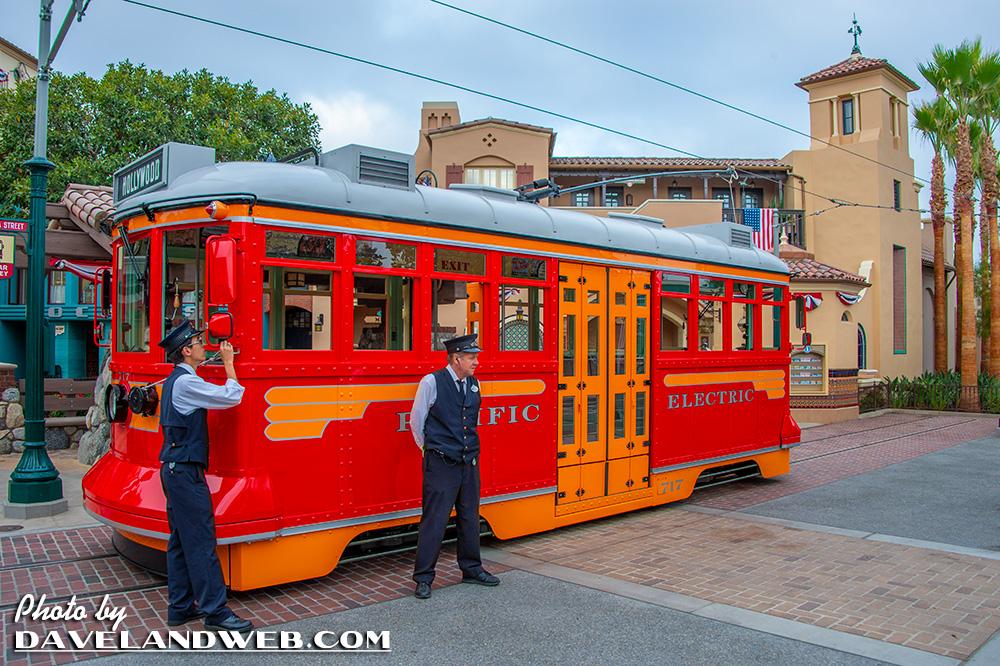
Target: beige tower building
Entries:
(859, 118)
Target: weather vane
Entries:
(856, 31)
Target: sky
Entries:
(749, 55)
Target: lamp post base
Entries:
(20, 511)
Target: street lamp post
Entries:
(35, 489)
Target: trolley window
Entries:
(772, 338)
(184, 274)
(675, 284)
(383, 311)
(522, 318)
(293, 245)
(382, 254)
(298, 307)
(673, 323)
(710, 313)
(524, 268)
(456, 309)
(133, 298)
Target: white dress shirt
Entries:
(426, 396)
(191, 392)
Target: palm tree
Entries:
(950, 73)
(935, 122)
(931, 120)
(987, 78)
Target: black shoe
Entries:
(423, 590)
(231, 623)
(482, 578)
(193, 613)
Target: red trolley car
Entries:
(623, 360)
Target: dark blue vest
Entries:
(451, 424)
(185, 438)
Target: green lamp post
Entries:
(35, 489)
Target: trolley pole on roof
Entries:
(35, 489)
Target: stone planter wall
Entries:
(12, 422)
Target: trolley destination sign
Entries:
(157, 168)
(144, 174)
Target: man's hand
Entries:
(226, 350)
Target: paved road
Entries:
(951, 496)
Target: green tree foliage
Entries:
(98, 126)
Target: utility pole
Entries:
(35, 489)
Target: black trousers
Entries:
(193, 570)
(448, 484)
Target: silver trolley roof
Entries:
(471, 208)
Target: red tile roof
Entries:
(89, 203)
(816, 271)
(669, 162)
(854, 65)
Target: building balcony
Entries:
(790, 223)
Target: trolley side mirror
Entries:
(220, 325)
(106, 288)
(221, 269)
(800, 312)
(102, 305)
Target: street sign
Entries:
(6, 256)
(13, 225)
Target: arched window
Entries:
(846, 316)
(862, 348)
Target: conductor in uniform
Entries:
(195, 586)
(443, 423)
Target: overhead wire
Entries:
(652, 77)
(556, 114)
(423, 77)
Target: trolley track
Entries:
(864, 446)
(44, 563)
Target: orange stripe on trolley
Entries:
(293, 409)
(770, 381)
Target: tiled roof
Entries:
(927, 258)
(817, 271)
(89, 203)
(854, 65)
(490, 121)
(744, 163)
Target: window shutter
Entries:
(453, 174)
(525, 174)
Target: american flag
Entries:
(761, 220)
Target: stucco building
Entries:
(858, 266)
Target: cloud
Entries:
(354, 117)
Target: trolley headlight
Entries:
(143, 400)
(115, 403)
(217, 210)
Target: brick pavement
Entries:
(939, 602)
(352, 585)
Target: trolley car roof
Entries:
(487, 210)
